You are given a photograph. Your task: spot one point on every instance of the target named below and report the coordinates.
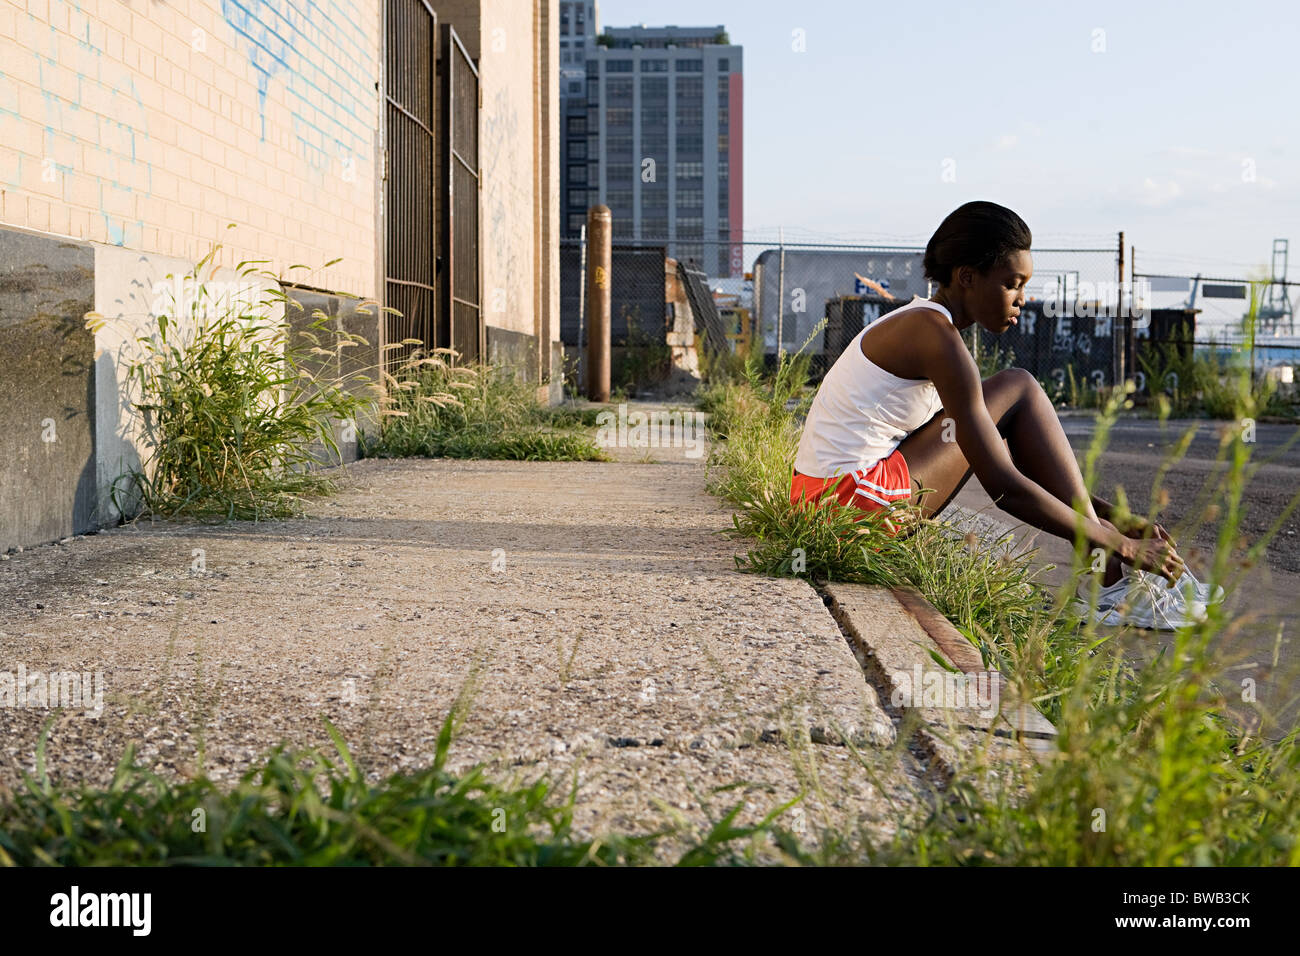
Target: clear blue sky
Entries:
(848, 139)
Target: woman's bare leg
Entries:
(1037, 443)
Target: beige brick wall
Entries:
(519, 155)
(507, 66)
(153, 125)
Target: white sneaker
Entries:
(1145, 600)
(1201, 590)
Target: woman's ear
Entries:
(965, 276)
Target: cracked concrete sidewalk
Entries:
(591, 611)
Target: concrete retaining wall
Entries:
(47, 395)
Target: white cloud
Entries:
(1187, 151)
(1159, 192)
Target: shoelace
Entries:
(1170, 603)
(1161, 599)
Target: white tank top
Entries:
(861, 412)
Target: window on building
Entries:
(690, 198)
(654, 66)
(654, 112)
(724, 65)
(620, 174)
(690, 145)
(689, 116)
(690, 66)
(654, 143)
(578, 175)
(576, 221)
(577, 149)
(577, 124)
(690, 90)
(618, 92)
(620, 206)
(688, 253)
(618, 66)
(578, 198)
(618, 147)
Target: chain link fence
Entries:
(792, 287)
(1221, 329)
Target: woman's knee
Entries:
(1018, 380)
(1008, 390)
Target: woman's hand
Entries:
(1136, 526)
(1157, 555)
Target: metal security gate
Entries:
(460, 312)
(410, 174)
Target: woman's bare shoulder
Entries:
(899, 345)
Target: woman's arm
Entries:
(950, 367)
(1128, 524)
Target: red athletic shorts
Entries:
(870, 489)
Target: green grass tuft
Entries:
(438, 409)
(232, 400)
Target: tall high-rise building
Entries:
(651, 127)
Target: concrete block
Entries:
(47, 413)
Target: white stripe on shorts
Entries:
(862, 482)
(867, 494)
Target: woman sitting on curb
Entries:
(904, 405)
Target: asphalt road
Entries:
(1263, 602)
(1137, 448)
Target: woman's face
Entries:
(994, 300)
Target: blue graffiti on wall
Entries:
(315, 45)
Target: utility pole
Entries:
(1119, 365)
(1130, 333)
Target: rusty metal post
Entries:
(600, 229)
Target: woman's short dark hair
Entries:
(979, 234)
